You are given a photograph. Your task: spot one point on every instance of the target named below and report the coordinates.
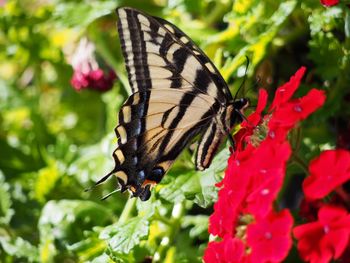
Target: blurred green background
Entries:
(56, 141)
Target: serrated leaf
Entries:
(195, 185)
(102, 259)
(122, 238)
(147, 209)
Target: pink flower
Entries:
(270, 238)
(328, 171)
(326, 238)
(329, 3)
(87, 74)
(229, 250)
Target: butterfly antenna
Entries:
(257, 81)
(104, 178)
(109, 194)
(244, 79)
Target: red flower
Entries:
(288, 114)
(326, 238)
(230, 198)
(247, 127)
(284, 112)
(229, 250)
(270, 238)
(328, 171)
(267, 175)
(285, 92)
(329, 3)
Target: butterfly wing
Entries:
(177, 93)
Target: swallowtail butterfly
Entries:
(177, 93)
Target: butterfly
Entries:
(177, 94)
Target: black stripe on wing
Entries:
(148, 146)
(170, 49)
(199, 54)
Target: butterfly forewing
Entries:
(177, 94)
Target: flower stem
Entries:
(300, 162)
(174, 227)
(128, 209)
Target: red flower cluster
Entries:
(87, 74)
(244, 215)
(326, 236)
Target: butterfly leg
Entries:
(231, 140)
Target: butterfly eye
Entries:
(241, 103)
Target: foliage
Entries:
(56, 142)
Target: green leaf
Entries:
(19, 248)
(347, 23)
(81, 14)
(90, 247)
(94, 161)
(46, 180)
(195, 185)
(122, 238)
(199, 225)
(61, 218)
(5, 201)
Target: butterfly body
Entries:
(177, 93)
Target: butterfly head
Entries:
(235, 112)
(241, 104)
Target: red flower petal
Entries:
(288, 114)
(270, 238)
(328, 171)
(79, 80)
(285, 92)
(255, 117)
(326, 238)
(267, 176)
(229, 250)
